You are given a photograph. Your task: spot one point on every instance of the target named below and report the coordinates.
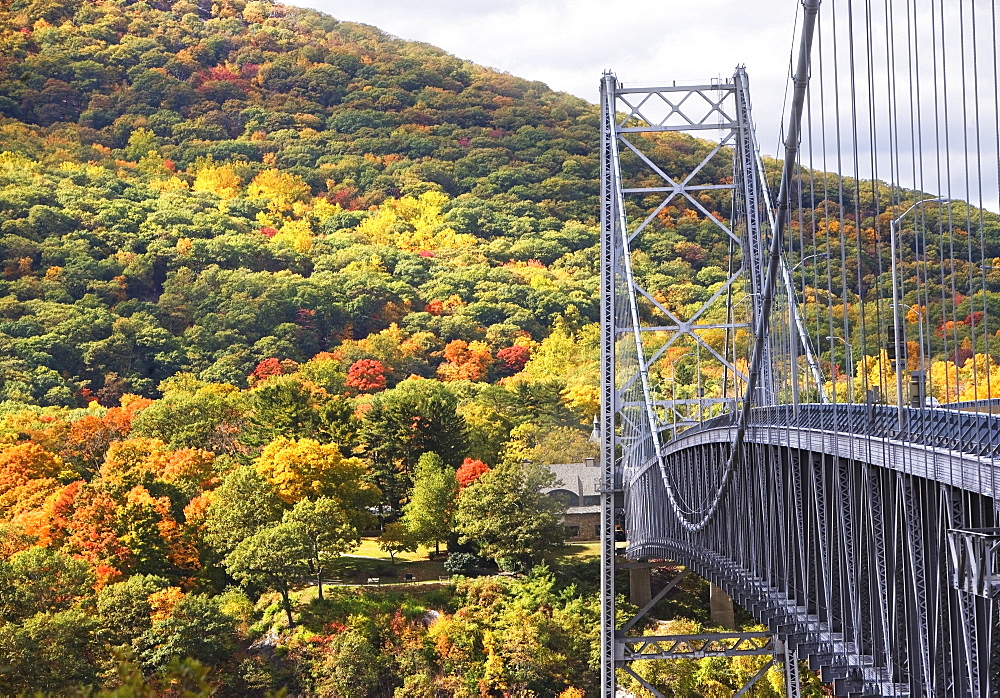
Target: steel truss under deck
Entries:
(873, 557)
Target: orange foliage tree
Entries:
(465, 361)
(27, 478)
(85, 520)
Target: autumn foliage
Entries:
(272, 367)
(470, 471)
(465, 361)
(366, 376)
(511, 360)
(256, 265)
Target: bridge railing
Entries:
(967, 432)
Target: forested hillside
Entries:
(187, 191)
(274, 284)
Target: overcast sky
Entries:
(567, 44)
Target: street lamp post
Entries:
(807, 258)
(896, 329)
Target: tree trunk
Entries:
(319, 584)
(287, 603)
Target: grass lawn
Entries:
(368, 561)
(369, 548)
(580, 551)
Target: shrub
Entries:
(463, 563)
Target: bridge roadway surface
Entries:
(834, 533)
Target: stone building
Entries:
(576, 485)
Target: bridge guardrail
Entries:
(977, 433)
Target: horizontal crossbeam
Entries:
(678, 189)
(720, 126)
(719, 87)
(691, 328)
(697, 646)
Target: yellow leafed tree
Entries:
(281, 190)
(295, 234)
(413, 224)
(219, 180)
(306, 468)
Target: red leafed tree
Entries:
(511, 360)
(366, 376)
(470, 471)
(346, 197)
(267, 368)
(272, 367)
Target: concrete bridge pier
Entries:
(720, 607)
(640, 590)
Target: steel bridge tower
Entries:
(645, 336)
(644, 333)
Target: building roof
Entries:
(579, 478)
(577, 482)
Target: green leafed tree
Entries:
(42, 579)
(49, 653)
(350, 668)
(329, 531)
(506, 514)
(428, 514)
(197, 628)
(123, 608)
(286, 406)
(403, 423)
(243, 504)
(275, 557)
(396, 538)
(194, 414)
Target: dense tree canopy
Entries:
(201, 191)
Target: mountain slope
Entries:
(165, 160)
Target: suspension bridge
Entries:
(831, 460)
